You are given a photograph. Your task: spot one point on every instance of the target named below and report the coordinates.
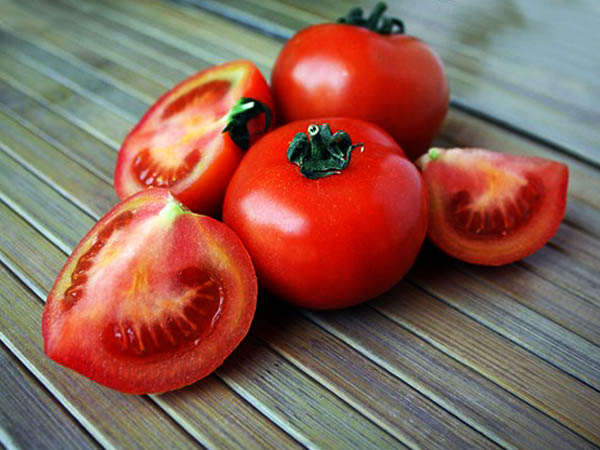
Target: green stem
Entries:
(375, 22)
(237, 121)
(320, 154)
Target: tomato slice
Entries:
(180, 142)
(153, 298)
(491, 208)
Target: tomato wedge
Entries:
(492, 208)
(153, 298)
(180, 142)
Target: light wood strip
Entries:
(51, 165)
(83, 111)
(27, 406)
(101, 52)
(555, 303)
(574, 274)
(539, 383)
(82, 80)
(83, 34)
(290, 398)
(83, 63)
(189, 29)
(368, 388)
(464, 392)
(502, 59)
(80, 146)
(25, 192)
(501, 313)
(113, 419)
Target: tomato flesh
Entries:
(152, 299)
(179, 144)
(491, 208)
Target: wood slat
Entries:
(56, 130)
(90, 115)
(25, 405)
(539, 383)
(499, 312)
(502, 59)
(464, 392)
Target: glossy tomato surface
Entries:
(153, 298)
(492, 208)
(339, 70)
(335, 241)
(179, 143)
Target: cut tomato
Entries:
(180, 143)
(153, 298)
(492, 208)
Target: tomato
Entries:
(180, 142)
(329, 220)
(153, 298)
(353, 70)
(492, 208)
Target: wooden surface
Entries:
(454, 356)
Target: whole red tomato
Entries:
(364, 68)
(330, 218)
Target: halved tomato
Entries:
(193, 138)
(153, 298)
(492, 208)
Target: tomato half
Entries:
(153, 298)
(368, 72)
(180, 142)
(340, 229)
(492, 208)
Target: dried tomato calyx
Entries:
(242, 112)
(322, 154)
(375, 21)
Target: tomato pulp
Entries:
(335, 233)
(350, 70)
(153, 298)
(179, 144)
(492, 208)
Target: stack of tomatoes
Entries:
(326, 211)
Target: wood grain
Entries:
(539, 383)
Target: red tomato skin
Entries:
(85, 354)
(337, 70)
(205, 194)
(336, 241)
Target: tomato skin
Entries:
(75, 336)
(338, 70)
(202, 192)
(335, 241)
(520, 200)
